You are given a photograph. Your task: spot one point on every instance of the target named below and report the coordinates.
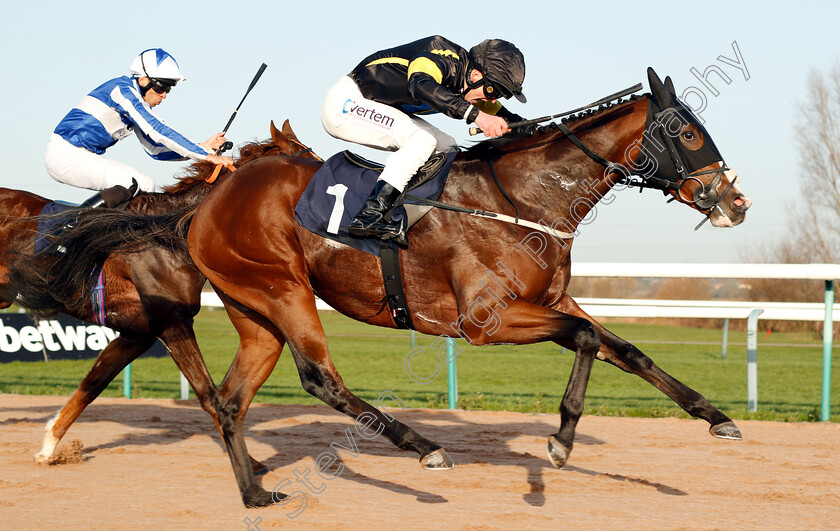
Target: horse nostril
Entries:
(741, 203)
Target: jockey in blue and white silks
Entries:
(113, 111)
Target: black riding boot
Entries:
(371, 222)
(109, 197)
(94, 201)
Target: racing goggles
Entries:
(162, 86)
(493, 91)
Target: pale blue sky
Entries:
(55, 52)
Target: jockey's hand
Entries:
(491, 126)
(220, 159)
(213, 143)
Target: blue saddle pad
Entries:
(339, 189)
(47, 222)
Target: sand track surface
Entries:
(159, 464)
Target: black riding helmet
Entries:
(503, 67)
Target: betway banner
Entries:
(24, 337)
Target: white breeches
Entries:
(79, 167)
(347, 115)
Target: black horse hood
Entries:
(667, 116)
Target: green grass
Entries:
(517, 378)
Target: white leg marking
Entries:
(49, 444)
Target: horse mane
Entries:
(198, 171)
(491, 148)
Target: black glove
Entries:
(513, 118)
(117, 195)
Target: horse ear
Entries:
(659, 91)
(670, 85)
(280, 140)
(287, 130)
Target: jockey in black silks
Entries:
(378, 103)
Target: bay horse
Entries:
(268, 270)
(150, 295)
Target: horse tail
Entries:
(58, 279)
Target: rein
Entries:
(301, 152)
(492, 215)
(501, 189)
(655, 183)
(218, 168)
(705, 197)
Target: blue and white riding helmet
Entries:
(156, 63)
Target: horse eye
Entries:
(688, 136)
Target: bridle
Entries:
(303, 152)
(705, 197)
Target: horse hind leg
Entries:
(180, 341)
(113, 359)
(259, 349)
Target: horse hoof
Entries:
(726, 430)
(437, 460)
(259, 497)
(557, 452)
(41, 459)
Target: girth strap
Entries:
(97, 295)
(394, 293)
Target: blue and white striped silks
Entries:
(113, 111)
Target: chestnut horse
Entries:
(149, 295)
(487, 281)
(268, 269)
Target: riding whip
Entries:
(228, 144)
(635, 88)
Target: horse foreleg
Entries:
(521, 322)
(628, 358)
(321, 379)
(298, 319)
(114, 358)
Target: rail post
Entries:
(185, 388)
(828, 332)
(452, 373)
(752, 360)
(127, 381)
(725, 337)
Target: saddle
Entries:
(338, 190)
(426, 172)
(58, 216)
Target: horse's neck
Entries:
(555, 179)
